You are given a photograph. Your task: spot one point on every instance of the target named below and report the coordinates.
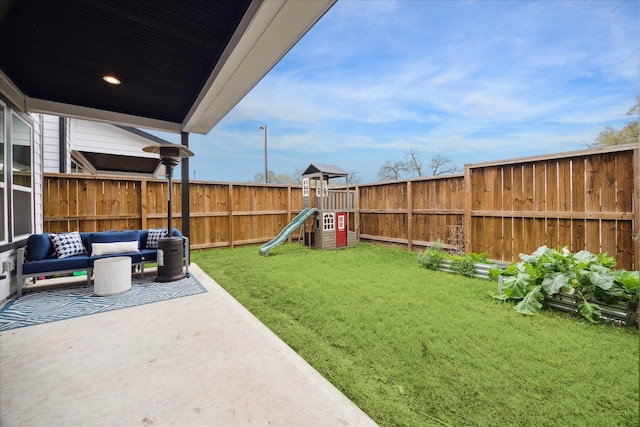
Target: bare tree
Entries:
(353, 178)
(440, 165)
(296, 178)
(392, 170)
(413, 162)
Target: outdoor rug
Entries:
(52, 305)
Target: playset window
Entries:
(328, 221)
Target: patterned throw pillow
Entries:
(68, 244)
(154, 235)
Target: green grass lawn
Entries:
(415, 347)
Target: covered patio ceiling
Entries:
(183, 65)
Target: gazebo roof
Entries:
(330, 171)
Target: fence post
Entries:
(289, 208)
(356, 215)
(636, 221)
(409, 216)
(467, 209)
(231, 215)
(144, 209)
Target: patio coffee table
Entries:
(112, 275)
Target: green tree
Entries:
(627, 135)
(273, 178)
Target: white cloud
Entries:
(477, 81)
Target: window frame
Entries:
(13, 236)
(329, 221)
(4, 203)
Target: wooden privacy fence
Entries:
(414, 212)
(222, 214)
(583, 200)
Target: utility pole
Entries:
(266, 169)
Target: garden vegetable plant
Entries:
(434, 259)
(585, 275)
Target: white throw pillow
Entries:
(113, 248)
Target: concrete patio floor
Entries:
(201, 360)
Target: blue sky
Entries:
(472, 80)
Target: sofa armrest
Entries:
(187, 253)
(20, 263)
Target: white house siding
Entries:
(9, 277)
(104, 138)
(50, 143)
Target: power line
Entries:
(625, 59)
(616, 8)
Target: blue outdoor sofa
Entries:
(48, 254)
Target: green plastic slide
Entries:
(296, 223)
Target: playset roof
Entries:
(330, 171)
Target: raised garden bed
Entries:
(622, 312)
(582, 283)
(482, 270)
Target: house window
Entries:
(16, 175)
(21, 176)
(318, 188)
(305, 187)
(328, 221)
(76, 167)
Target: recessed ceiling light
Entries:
(112, 80)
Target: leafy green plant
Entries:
(462, 264)
(583, 274)
(433, 257)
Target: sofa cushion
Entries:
(113, 248)
(39, 246)
(136, 257)
(51, 265)
(114, 236)
(68, 244)
(149, 254)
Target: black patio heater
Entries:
(169, 248)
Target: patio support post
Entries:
(186, 211)
(62, 145)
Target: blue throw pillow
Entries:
(39, 246)
(68, 244)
